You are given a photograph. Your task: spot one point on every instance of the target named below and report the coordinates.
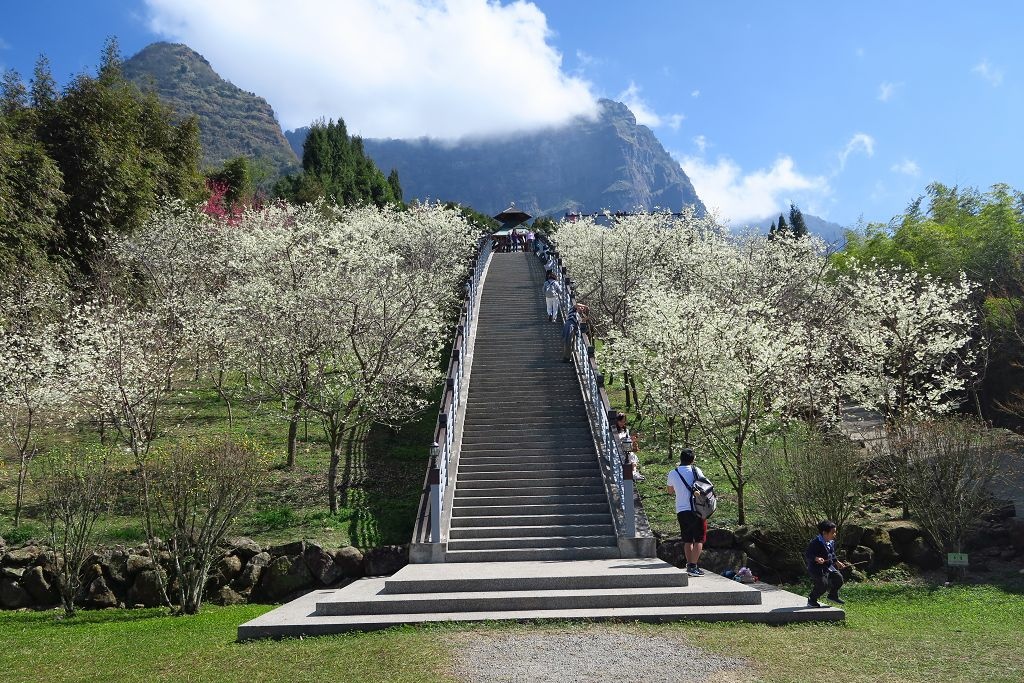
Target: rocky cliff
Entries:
(232, 122)
(586, 165)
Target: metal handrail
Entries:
(429, 521)
(616, 471)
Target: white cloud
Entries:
(701, 143)
(987, 72)
(740, 198)
(402, 68)
(587, 60)
(695, 93)
(907, 167)
(887, 90)
(860, 142)
(645, 115)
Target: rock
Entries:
(902, 534)
(243, 547)
(13, 596)
(742, 533)
(285, 575)
(720, 538)
(12, 573)
(137, 563)
(877, 538)
(850, 536)
(350, 561)
(1005, 510)
(99, 594)
(857, 575)
(251, 573)
(718, 560)
(3, 543)
(20, 557)
(385, 560)
(229, 567)
(145, 590)
(321, 564)
(116, 568)
(923, 555)
(862, 557)
(671, 551)
(39, 587)
(294, 548)
(227, 596)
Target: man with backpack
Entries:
(552, 296)
(695, 502)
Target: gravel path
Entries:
(589, 654)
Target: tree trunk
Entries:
(625, 384)
(20, 497)
(631, 389)
(334, 436)
(671, 421)
(293, 431)
(741, 515)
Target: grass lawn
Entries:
(895, 633)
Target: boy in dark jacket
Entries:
(823, 566)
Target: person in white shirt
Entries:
(628, 442)
(692, 529)
(552, 295)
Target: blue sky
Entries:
(849, 109)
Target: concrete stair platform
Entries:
(646, 590)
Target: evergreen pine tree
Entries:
(796, 221)
(783, 227)
(396, 185)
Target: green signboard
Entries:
(956, 559)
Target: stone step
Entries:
(551, 445)
(474, 453)
(523, 531)
(519, 513)
(512, 543)
(525, 498)
(537, 519)
(585, 463)
(514, 478)
(569, 489)
(532, 554)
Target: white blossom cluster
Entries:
(731, 335)
(344, 310)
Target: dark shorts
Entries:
(692, 529)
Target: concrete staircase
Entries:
(627, 590)
(531, 535)
(528, 484)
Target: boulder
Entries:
(229, 567)
(1015, 533)
(851, 535)
(13, 596)
(99, 594)
(720, 538)
(718, 560)
(145, 589)
(244, 548)
(671, 551)
(293, 548)
(227, 596)
(902, 534)
(877, 538)
(12, 573)
(920, 553)
(284, 576)
(321, 564)
(385, 560)
(349, 561)
(116, 568)
(251, 573)
(862, 557)
(137, 563)
(21, 557)
(742, 533)
(43, 592)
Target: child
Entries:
(823, 566)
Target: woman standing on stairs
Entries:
(628, 442)
(552, 295)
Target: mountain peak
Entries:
(232, 122)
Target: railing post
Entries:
(628, 510)
(435, 495)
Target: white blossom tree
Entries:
(33, 372)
